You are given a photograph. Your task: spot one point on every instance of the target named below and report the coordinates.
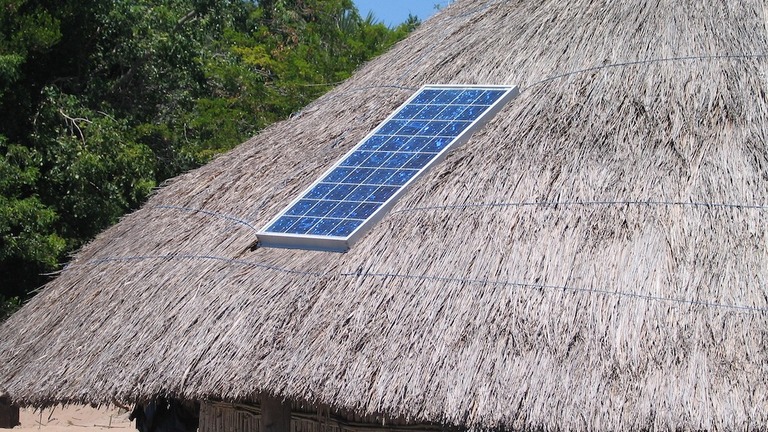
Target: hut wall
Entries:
(9, 414)
(229, 417)
(221, 417)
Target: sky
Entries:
(394, 12)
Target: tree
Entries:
(102, 101)
(28, 244)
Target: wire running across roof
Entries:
(358, 190)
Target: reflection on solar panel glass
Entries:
(356, 192)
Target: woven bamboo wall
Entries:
(228, 417)
(220, 417)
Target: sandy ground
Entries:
(74, 419)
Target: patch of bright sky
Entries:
(394, 12)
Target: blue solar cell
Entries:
(374, 142)
(429, 112)
(361, 193)
(468, 97)
(489, 97)
(340, 192)
(301, 208)
(304, 224)
(356, 159)
(415, 144)
(454, 128)
(363, 184)
(344, 209)
(381, 175)
(320, 190)
(431, 128)
(360, 212)
(346, 228)
(426, 96)
(471, 112)
(359, 175)
(392, 127)
(366, 210)
(338, 175)
(394, 143)
(398, 160)
(419, 160)
(378, 159)
(401, 177)
(446, 97)
(451, 112)
(382, 194)
(283, 224)
(436, 145)
(409, 112)
(322, 208)
(412, 128)
(325, 226)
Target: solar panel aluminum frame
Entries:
(343, 244)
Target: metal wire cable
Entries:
(430, 278)
(645, 62)
(504, 204)
(209, 213)
(647, 297)
(174, 257)
(624, 294)
(584, 203)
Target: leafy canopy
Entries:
(103, 100)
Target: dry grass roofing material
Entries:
(595, 258)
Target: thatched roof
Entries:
(595, 258)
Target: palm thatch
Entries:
(596, 258)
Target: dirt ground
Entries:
(74, 419)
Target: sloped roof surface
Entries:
(595, 258)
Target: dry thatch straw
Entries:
(595, 258)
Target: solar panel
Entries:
(357, 191)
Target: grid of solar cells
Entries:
(386, 161)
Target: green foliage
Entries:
(29, 244)
(92, 162)
(8, 306)
(29, 28)
(103, 100)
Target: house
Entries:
(594, 258)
